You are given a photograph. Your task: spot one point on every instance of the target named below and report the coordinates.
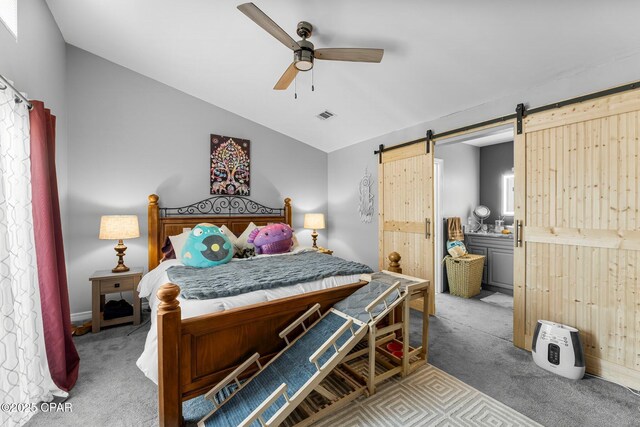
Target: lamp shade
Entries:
(314, 221)
(116, 227)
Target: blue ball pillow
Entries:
(206, 246)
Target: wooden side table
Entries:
(105, 282)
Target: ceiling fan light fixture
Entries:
(303, 65)
(303, 57)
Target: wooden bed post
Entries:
(287, 211)
(169, 336)
(153, 216)
(394, 263)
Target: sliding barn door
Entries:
(577, 184)
(405, 190)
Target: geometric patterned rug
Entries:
(428, 396)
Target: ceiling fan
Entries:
(304, 52)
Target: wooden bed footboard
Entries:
(194, 354)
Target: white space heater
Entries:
(557, 348)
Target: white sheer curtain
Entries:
(24, 372)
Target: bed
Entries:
(198, 348)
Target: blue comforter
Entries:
(260, 273)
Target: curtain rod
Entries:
(18, 96)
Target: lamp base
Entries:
(314, 236)
(120, 268)
(120, 249)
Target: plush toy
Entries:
(206, 246)
(272, 239)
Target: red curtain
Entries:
(52, 273)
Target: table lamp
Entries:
(119, 227)
(314, 221)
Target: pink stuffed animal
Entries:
(272, 239)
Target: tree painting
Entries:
(230, 165)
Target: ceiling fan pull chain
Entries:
(313, 88)
(295, 88)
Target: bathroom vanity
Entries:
(498, 252)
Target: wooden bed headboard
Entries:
(233, 211)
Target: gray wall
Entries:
(130, 136)
(461, 179)
(495, 161)
(36, 64)
(349, 237)
(359, 241)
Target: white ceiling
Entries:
(484, 137)
(440, 57)
(487, 140)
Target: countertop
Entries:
(490, 234)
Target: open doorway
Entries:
(473, 182)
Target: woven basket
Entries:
(465, 275)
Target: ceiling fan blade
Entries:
(261, 18)
(286, 79)
(350, 54)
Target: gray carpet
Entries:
(469, 339)
(111, 390)
(499, 299)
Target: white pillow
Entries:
(241, 243)
(229, 234)
(178, 242)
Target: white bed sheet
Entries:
(151, 282)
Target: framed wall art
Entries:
(230, 170)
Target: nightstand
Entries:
(325, 250)
(105, 282)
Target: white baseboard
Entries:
(81, 317)
(85, 316)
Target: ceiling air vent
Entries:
(325, 115)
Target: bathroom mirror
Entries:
(508, 195)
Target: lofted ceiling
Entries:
(440, 57)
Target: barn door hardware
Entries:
(427, 228)
(520, 112)
(379, 153)
(429, 140)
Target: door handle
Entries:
(427, 228)
(518, 236)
